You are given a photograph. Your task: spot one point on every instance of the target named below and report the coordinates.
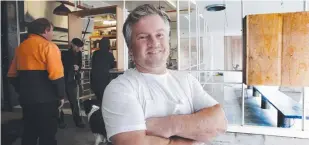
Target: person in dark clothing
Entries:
(36, 72)
(72, 62)
(102, 62)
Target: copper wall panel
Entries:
(263, 49)
(295, 49)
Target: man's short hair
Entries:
(77, 42)
(39, 26)
(138, 13)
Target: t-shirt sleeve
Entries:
(121, 109)
(200, 98)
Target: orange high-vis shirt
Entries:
(37, 66)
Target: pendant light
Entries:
(61, 10)
(215, 7)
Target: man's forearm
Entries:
(141, 138)
(154, 140)
(200, 126)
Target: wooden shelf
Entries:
(112, 48)
(102, 27)
(108, 36)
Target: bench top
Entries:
(283, 103)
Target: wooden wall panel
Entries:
(263, 49)
(120, 38)
(233, 52)
(295, 49)
(75, 27)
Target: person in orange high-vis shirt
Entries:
(37, 74)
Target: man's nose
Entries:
(153, 41)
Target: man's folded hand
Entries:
(159, 127)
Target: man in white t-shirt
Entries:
(151, 105)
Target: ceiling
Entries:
(231, 17)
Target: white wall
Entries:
(217, 45)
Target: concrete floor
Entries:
(72, 135)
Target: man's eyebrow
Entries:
(141, 34)
(160, 30)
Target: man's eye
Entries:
(141, 38)
(160, 35)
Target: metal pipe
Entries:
(194, 66)
(190, 53)
(224, 41)
(223, 83)
(243, 105)
(75, 5)
(212, 52)
(88, 69)
(1, 82)
(214, 70)
(197, 37)
(25, 32)
(304, 92)
(196, 29)
(125, 50)
(198, 41)
(204, 40)
(303, 95)
(17, 23)
(243, 92)
(242, 10)
(178, 36)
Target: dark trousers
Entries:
(99, 90)
(71, 91)
(40, 122)
(98, 85)
(99, 95)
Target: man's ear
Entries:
(131, 53)
(46, 31)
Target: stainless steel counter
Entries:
(116, 71)
(112, 71)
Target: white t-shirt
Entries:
(133, 97)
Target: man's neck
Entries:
(73, 51)
(157, 70)
(40, 35)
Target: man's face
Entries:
(76, 48)
(150, 42)
(49, 34)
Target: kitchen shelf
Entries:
(108, 36)
(102, 27)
